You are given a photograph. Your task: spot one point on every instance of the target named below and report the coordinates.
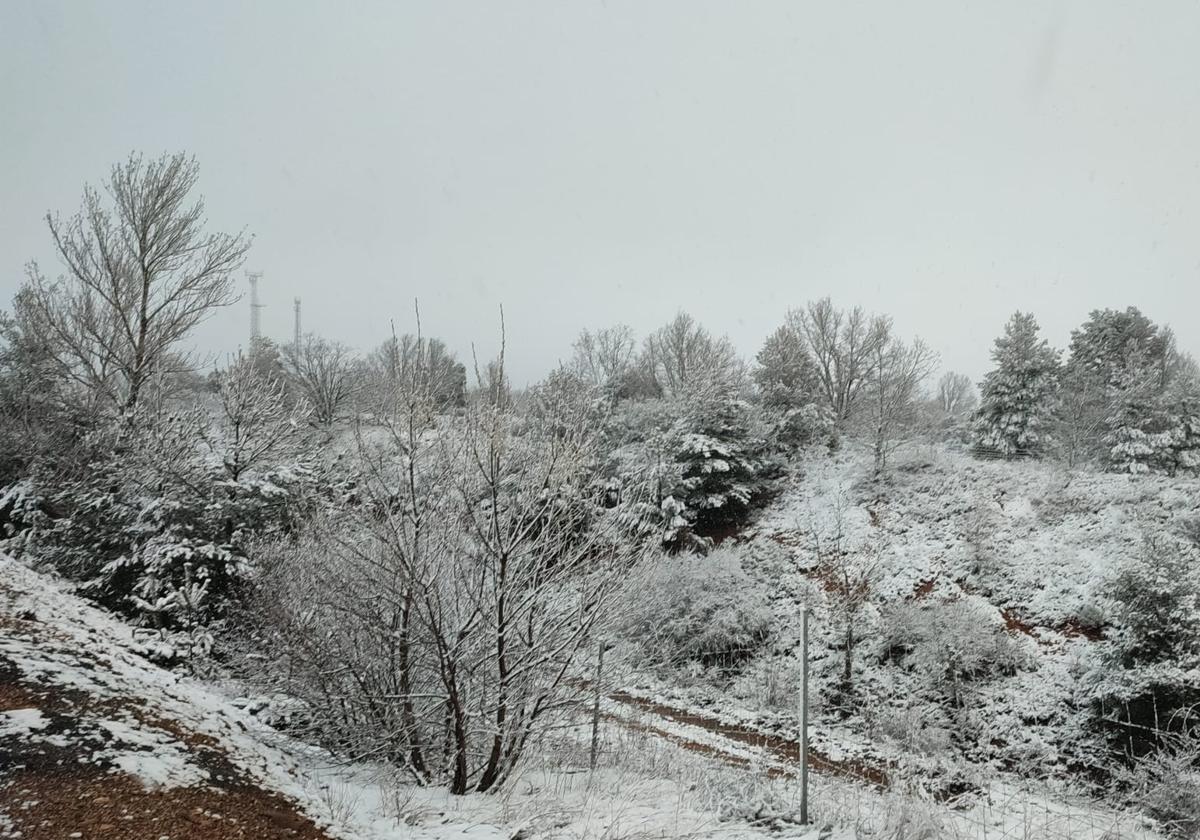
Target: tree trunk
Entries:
(848, 663)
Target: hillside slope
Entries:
(95, 741)
(1008, 556)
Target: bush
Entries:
(1156, 604)
(155, 530)
(799, 427)
(949, 642)
(1144, 680)
(690, 609)
(1166, 785)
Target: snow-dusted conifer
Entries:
(785, 374)
(722, 462)
(1018, 394)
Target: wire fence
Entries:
(872, 795)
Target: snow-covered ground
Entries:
(96, 740)
(1024, 546)
(82, 713)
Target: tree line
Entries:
(418, 551)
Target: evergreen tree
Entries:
(1018, 394)
(1112, 388)
(1120, 347)
(1160, 436)
(785, 375)
(725, 473)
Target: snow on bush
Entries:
(1166, 785)
(696, 610)
(949, 643)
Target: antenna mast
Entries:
(296, 326)
(255, 306)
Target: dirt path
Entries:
(781, 754)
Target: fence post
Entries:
(804, 715)
(596, 708)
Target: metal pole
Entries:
(804, 715)
(255, 306)
(596, 708)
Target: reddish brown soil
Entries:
(790, 539)
(53, 790)
(1013, 623)
(87, 800)
(923, 588)
(788, 751)
(1072, 629)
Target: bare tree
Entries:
(413, 361)
(141, 273)
(894, 376)
(843, 346)
(494, 385)
(955, 394)
(603, 357)
(684, 356)
(256, 421)
(324, 372)
(1081, 411)
(437, 628)
(848, 574)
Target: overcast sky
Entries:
(584, 163)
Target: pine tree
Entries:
(1018, 394)
(724, 469)
(785, 374)
(1160, 436)
(1113, 406)
(1120, 347)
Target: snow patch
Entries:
(22, 722)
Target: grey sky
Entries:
(591, 162)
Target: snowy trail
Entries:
(739, 746)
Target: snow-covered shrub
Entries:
(688, 469)
(949, 643)
(1156, 604)
(1166, 785)
(1144, 679)
(979, 537)
(1189, 529)
(771, 682)
(750, 800)
(1058, 501)
(1090, 617)
(258, 423)
(700, 610)
(667, 523)
(169, 580)
(23, 508)
(46, 420)
(564, 399)
(639, 443)
(638, 421)
(917, 729)
(805, 425)
(156, 530)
